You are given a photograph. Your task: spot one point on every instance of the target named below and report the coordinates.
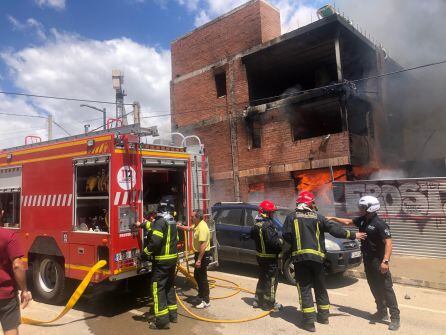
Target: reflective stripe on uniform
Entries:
(309, 310)
(148, 253)
(172, 307)
(155, 301)
(148, 225)
(318, 233)
(308, 251)
(158, 233)
(266, 255)
(167, 241)
(297, 232)
(166, 257)
(272, 292)
(261, 240)
(348, 234)
(299, 294)
(323, 307)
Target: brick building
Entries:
(274, 111)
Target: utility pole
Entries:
(136, 112)
(118, 81)
(50, 127)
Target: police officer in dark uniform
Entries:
(304, 231)
(268, 246)
(162, 247)
(376, 251)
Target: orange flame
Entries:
(318, 181)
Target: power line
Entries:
(284, 95)
(59, 98)
(25, 115)
(62, 128)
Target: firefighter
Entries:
(162, 247)
(304, 231)
(376, 251)
(268, 246)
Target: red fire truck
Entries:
(74, 201)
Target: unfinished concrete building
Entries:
(279, 113)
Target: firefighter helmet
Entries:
(267, 206)
(369, 203)
(305, 197)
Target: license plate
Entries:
(355, 254)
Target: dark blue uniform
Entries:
(373, 248)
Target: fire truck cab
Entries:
(75, 201)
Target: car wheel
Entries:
(288, 271)
(48, 280)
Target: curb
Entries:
(402, 280)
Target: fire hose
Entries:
(185, 271)
(74, 297)
(212, 284)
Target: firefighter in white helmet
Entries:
(376, 250)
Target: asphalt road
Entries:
(111, 309)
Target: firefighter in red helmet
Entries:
(268, 246)
(304, 231)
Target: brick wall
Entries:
(197, 109)
(224, 37)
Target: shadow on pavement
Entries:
(339, 280)
(356, 312)
(290, 314)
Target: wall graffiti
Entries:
(422, 200)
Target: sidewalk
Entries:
(415, 271)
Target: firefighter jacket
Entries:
(267, 241)
(304, 231)
(162, 242)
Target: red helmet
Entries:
(305, 197)
(267, 206)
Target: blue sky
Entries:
(69, 48)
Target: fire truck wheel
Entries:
(48, 279)
(288, 271)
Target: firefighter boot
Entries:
(152, 325)
(323, 319)
(309, 326)
(394, 324)
(379, 316)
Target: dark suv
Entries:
(233, 222)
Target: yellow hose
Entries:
(74, 297)
(213, 284)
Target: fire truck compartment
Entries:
(92, 195)
(165, 184)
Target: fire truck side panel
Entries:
(47, 193)
(47, 200)
(125, 204)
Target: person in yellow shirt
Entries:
(202, 246)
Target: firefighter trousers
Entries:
(381, 286)
(163, 291)
(310, 274)
(267, 284)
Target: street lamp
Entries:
(103, 111)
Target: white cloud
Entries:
(30, 24)
(201, 18)
(191, 5)
(68, 65)
(56, 4)
(294, 13)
